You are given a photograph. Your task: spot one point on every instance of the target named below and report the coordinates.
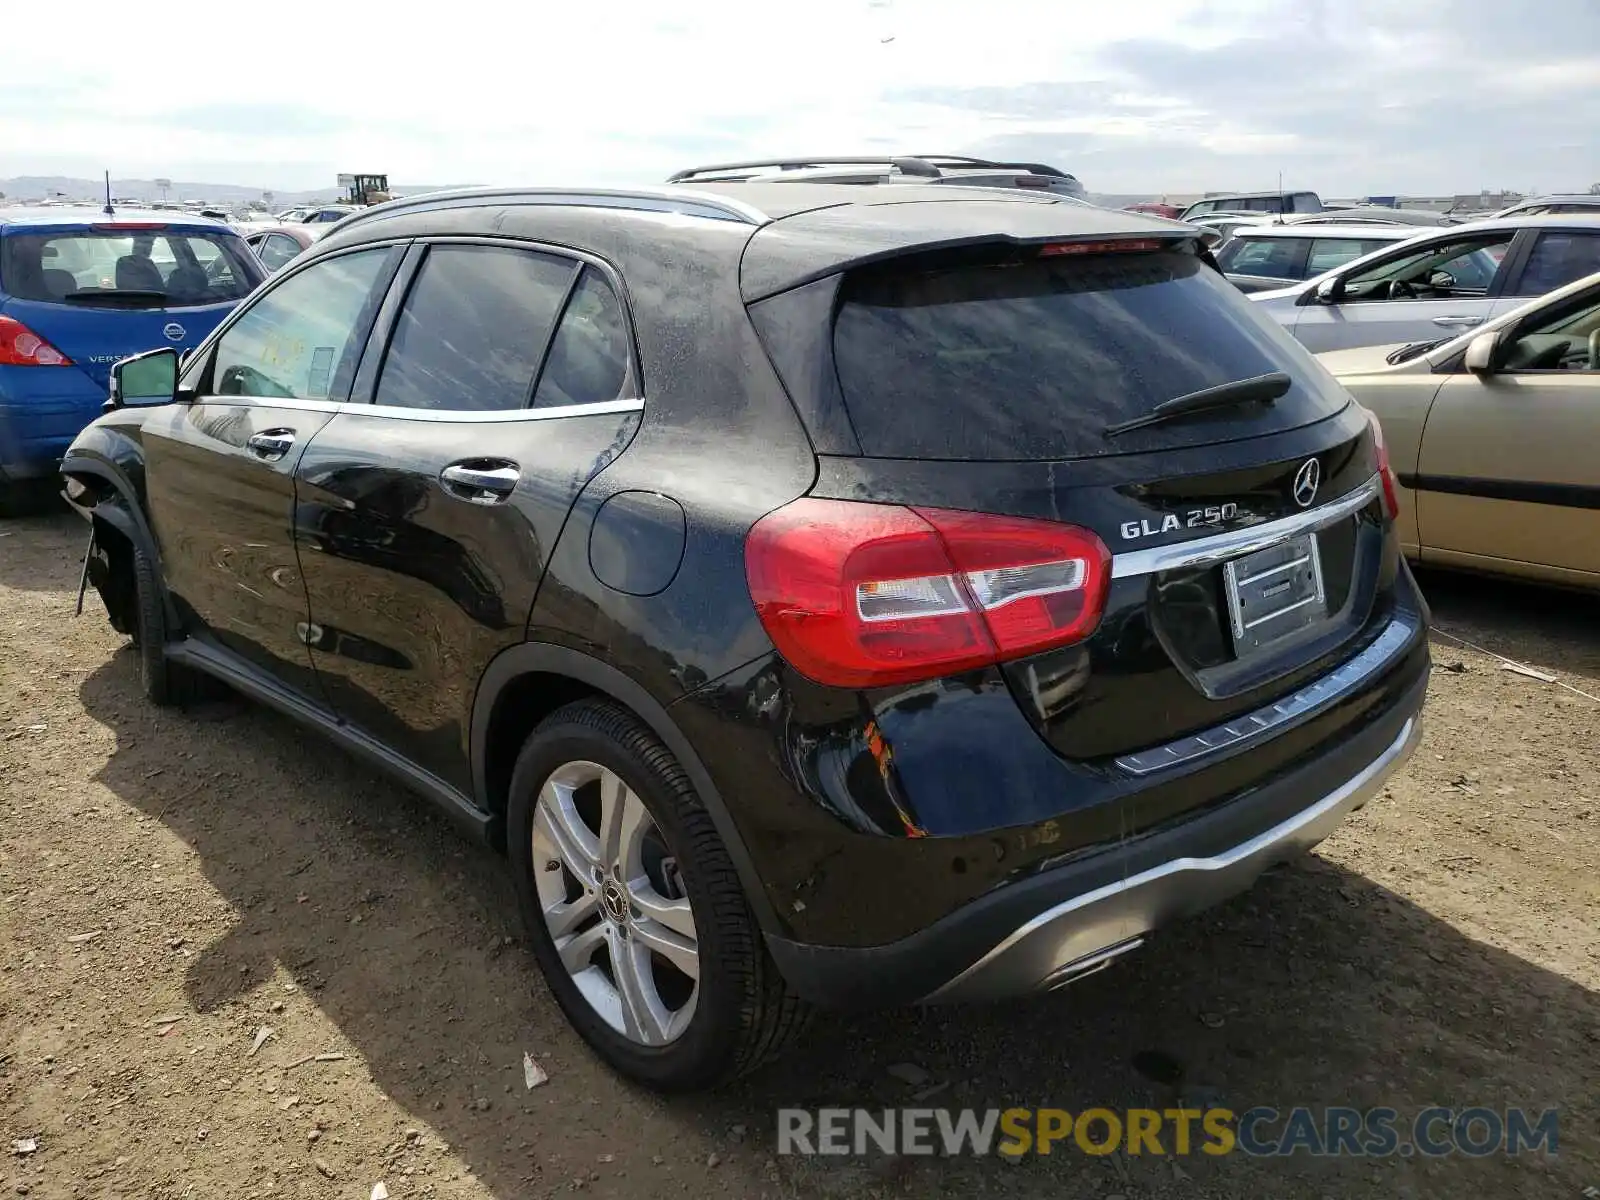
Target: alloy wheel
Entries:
(613, 900)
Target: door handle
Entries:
(480, 481)
(1453, 322)
(271, 444)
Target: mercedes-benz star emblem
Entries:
(1306, 482)
(174, 332)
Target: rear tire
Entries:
(594, 757)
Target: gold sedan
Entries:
(1494, 437)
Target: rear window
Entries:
(1033, 360)
(127, 268)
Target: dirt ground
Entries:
(171, 883)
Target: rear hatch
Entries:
(1012, 380)
(100, 292)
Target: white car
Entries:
(1438, 283)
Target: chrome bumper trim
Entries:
(1219, 547)
(1084, 928)
(1320, 694)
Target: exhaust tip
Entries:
(1089, 964)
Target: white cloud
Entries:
(473, 91)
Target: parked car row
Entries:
(1434, 285)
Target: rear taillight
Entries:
(1391, 493)
(22, 347)
(1118, 246)
(858, 595)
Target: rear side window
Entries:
(1034, 360)
(1275, 258)
(276, 250)
(473, 329)
(588, 361)
(127, 268)
(1559, 259)
(1328, 253)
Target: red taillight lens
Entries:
(858, 595)
(22, 347)
(1391, 494)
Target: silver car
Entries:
(1438, 284)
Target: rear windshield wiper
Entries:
(117, 295)
(1259, 389)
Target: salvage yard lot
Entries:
(224, 870)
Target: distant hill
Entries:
(228, 195)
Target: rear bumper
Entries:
(36, 429)
(1044, 931)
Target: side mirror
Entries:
(1481, 353)
(145, 379)
(1330, 291)
(1442, 281)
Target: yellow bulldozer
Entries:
(365, 189)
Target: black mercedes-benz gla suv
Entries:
(824, 595)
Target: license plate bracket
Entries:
(1274, 593)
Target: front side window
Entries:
(1441, 270)
(588, 361)
(301, 339)
(126, 268)
(1275, 258)
(1567, 339)
(473, 329)
(1559, 259)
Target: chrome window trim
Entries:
(293, 403)
(1219, 547)
(1294, 708)
(598, 409)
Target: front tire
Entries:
(634, 909)
(164, 683)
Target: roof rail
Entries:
(905, 164)
(681, 201)
(961, 160)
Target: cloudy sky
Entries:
(1343, 96)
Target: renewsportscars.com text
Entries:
(1259, 1132)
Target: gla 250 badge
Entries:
(1195, 518)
